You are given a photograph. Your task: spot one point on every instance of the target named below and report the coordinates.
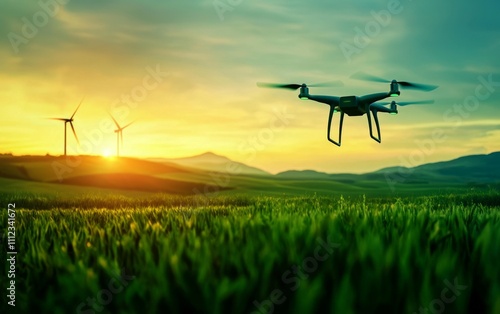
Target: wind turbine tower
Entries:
(70, 120)
(119, 135)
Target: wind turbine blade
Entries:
(77, 107)
(60, 119)
(71, 124)
(117, 125)
(121, 137)
(128, 125)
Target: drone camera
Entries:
(351, 106)
(394, 89)
(304, 92)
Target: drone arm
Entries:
(371, 98)
(332, 111)
(380, 108)
(375, 117)
(329, 100)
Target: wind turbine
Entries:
(70, 120)
(119, 134)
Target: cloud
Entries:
(210, 100)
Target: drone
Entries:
(357, 105)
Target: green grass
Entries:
(220, 254)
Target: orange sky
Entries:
(188, 80)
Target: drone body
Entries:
(356, 105)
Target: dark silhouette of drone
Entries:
(357, 105)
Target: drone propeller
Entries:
(407, 85)
(297, 86)
(406, 103)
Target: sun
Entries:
(107, 153)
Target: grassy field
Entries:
(230, 254)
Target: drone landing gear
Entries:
(332, 111)
(368, 111)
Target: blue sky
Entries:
(208, 56)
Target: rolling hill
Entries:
(208, 173)
(94, 171)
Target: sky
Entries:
(185, 73)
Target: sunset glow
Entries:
(107, 153)
(189, 79)
(230, 156)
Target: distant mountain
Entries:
(466, 169)
(303, 174)
(212, 162)
(473, 169)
